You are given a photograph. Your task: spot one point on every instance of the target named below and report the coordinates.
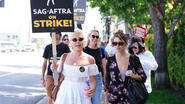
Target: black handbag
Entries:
(137, 91)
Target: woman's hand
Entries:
(90, 93)
(130, 73)
(53, 66)
(134, 76)
(43, 82)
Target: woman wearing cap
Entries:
(146, 57)
(78, 67)
(117, 71)
(94, 50)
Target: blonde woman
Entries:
(77, 68)
(92, 48)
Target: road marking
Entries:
(6, 74)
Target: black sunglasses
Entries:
(66, 39)
(119, 43)
(93, 36)
(134, 47)
(79, 39)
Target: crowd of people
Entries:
(96, 66)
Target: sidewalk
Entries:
(44, 100)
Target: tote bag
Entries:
(137, 91)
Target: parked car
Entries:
(5, 48)
(18, 48)
(11, 48)
(30, 47)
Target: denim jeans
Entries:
(97, 96)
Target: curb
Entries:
(43, 100)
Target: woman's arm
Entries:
(93, 84)
(149, 62)
(140, 73)
(106, 97)
(104, 69)
(92, 79)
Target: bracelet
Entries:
(42, 78)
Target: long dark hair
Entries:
(141, 50)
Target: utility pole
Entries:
(107, 25)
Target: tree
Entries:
(39, 43)
(157, 13)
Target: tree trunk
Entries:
(160, 40)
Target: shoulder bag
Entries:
(137, 90)
(60, 79)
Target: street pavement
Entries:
(44, 100)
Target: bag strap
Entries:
(131, 62)
(130, 66)
(63, 59)
(100, 52)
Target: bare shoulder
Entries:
(90, 58)
(63, 56)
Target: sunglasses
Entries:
(79, 39)
(134, 47)
(93, 36)
(66, 39)
(119, 43)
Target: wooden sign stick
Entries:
(55, 73)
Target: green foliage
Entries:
(176, 56)
(173, 9)
(39, 43)
(133, 11)
(149, 42)
(137, 11)
(163, 96)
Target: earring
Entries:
(84, 47)
(72, 47)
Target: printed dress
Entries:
(72, 88)
(117, 88)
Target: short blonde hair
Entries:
(88, 41)
(77, 31)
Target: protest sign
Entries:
(79, 11)
(52, 16)
(121, 26)
(140, 32)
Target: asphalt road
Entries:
(20, 74)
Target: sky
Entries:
(16, 16)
